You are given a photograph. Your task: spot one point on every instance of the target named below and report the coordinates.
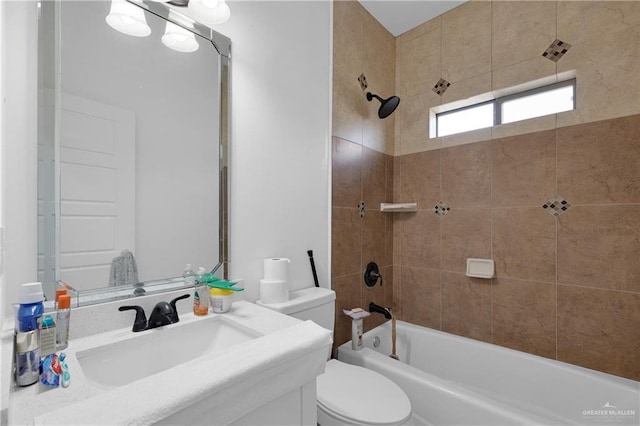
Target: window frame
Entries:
(499, 101)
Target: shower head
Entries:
(387, 106)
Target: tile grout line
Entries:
(556, 218)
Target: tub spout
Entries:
(379, 309)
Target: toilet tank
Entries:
(315, 303)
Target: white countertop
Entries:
(287, 344)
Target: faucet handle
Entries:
(140, 322)
(174, 315)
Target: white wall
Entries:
(18, 201)
(280, 155)
(281, 93)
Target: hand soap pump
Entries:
(200, 298)
(357, 327)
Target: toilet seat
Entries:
(360, 396)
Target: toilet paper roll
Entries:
(276, 269)
(273, 291)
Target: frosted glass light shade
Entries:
(128, 19)
(210, 12)
(179, 39)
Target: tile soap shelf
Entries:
(398, 207)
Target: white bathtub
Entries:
(452, 380)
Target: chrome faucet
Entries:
(162, 314)
(379, 309)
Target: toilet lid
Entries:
(361, 395)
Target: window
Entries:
(533, 103)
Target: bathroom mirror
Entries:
(132, 149)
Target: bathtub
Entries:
(453, 380)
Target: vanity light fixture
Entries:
(210, 12)
(128, 19)
(179, 39)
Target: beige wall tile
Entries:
(348, 37)
(579, 21)
(524, 316)
(468, 88)
(419, 176)
(466, 137)
(528, 70)
(524, 241)
(381, 295)
(379, 67)
(348, 295)
(418, 63)
(346, 174)
(600, 162)
(608, 78)
(599, 329)
(374, 178)
(598, 246)
(466, 306)
(421, 297)
(538, 124)
(348, 106)
(524, 169)
(346, 241)
(388, 242)
(521, 30)
(466, 41)
(465, 233)
(413, 119)
(466, 175)
(418, 31)
(373, 240)
(420, 239)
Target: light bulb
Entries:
(128, 19)
(179, 39)
(210, 12)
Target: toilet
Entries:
(346, 394)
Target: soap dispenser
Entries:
(200, 299)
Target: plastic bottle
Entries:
(59, 292)
(27, 334)
(200, 275)
(62, 321)
(200, 301)
(47, 336)
(189, 276)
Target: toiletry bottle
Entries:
(62, 328)
(47, 336)
(200, 302)
(200, 275)
(189, 276)
(27, 334)
(59, 292)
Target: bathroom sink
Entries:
(150, 352)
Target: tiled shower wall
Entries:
(362, 163)
(568, 284)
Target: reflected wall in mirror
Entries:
(131, 176)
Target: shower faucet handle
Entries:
(372, 274)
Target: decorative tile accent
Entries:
(556, 50)
(441, 86)
(556, 205)
(363, 81)
(361, 208)
(441, 209)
